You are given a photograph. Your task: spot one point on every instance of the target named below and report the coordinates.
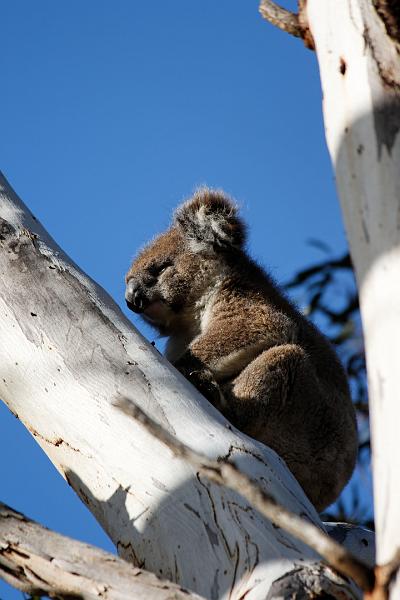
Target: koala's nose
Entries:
(134, 296)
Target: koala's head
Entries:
(171, 273)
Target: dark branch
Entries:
(389, 12)
(280, 17)
(384, 576)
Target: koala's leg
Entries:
(279, 400)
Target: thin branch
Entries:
(42, 562)
(228, 474)
(385, 575)
(280, 17)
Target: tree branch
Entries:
(228, 474)
(39, 561)
(281, 18)
(384, 576)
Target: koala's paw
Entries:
(195, 371)
(204, 381)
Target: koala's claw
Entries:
(203, 380)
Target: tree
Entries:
(69, 334)
(357, 45)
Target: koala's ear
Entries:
(209, 221)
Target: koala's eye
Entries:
(156, 270)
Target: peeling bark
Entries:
(389, 12)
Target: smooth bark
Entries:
(357, 45)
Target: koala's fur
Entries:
(244, 345)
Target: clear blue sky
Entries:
(112, 113)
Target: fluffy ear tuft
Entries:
(209, 221)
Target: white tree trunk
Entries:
(67, 352)
(360, 72)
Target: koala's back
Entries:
(235, 335)
(282, 382)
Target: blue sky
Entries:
(112, 113)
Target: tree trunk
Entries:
(357, 44)
(67, 353)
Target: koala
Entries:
(243, 344)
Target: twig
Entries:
(228, 474)
(280, 17)
(384, 575)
